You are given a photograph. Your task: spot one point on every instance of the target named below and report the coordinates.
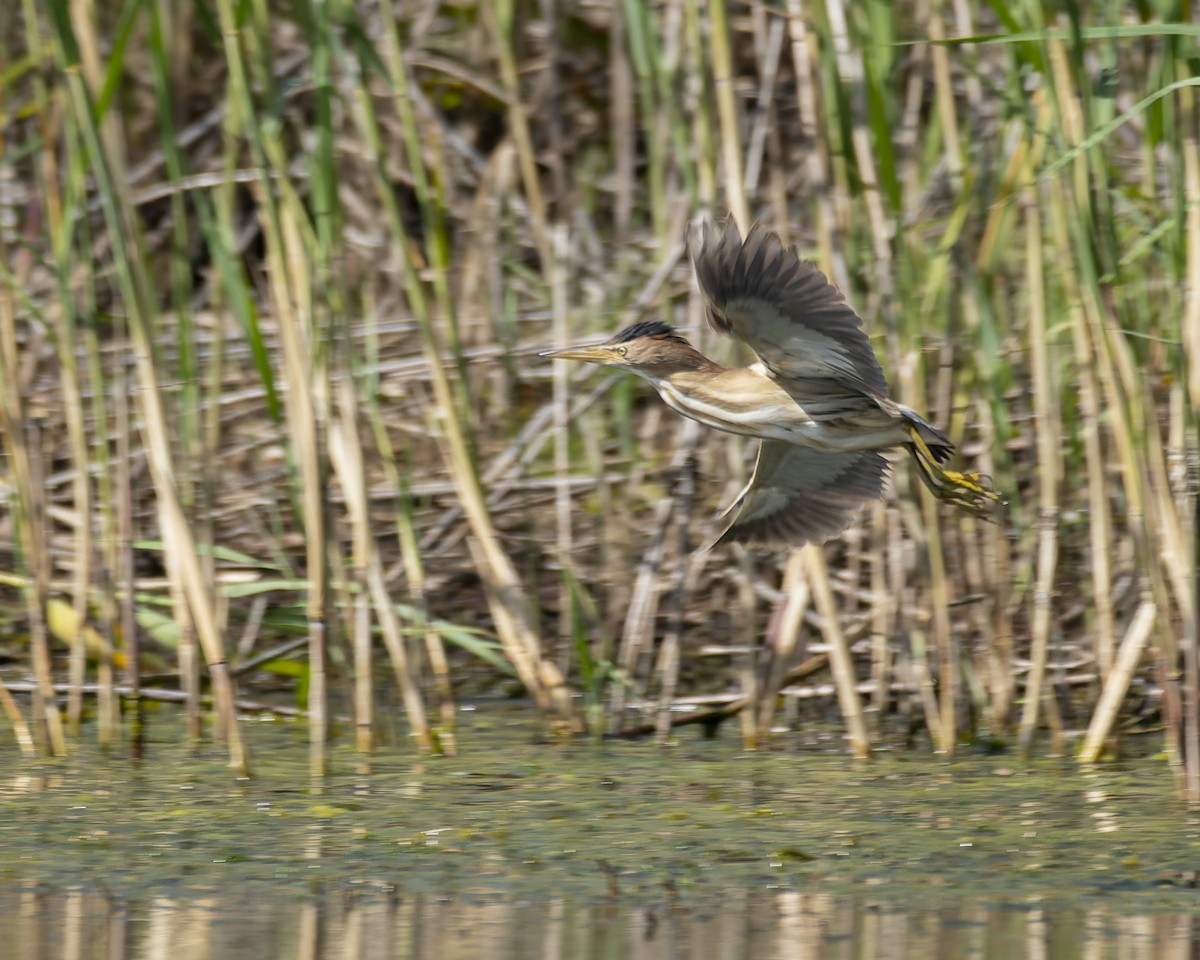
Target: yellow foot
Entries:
(968, 491)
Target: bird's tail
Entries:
(937, 443)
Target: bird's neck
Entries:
(688, 360)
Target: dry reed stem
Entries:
(1048, 444)
(727, 113)
(882, 612)
(120, 566)
(345, 456)
(307, 419)
(564, 542)
(346, 449)
(637, 631)
(669, 650)
(410, 693)
(814, 145)
(944, 641)
(82, 497)
(25, 465)
(783, 637)
(506, 594)
(840, 661)
(35, 526)
(176, 532)
(621, 114)
(1190, 488)
(499, 19)
(850, 72)
(17, 720)
(1115, 687)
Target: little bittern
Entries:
(817, 397)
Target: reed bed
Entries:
(275, 281)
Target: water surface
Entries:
(519, 847)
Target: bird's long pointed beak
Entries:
(597, 354)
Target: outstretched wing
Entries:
(799, 495)
(797, 322)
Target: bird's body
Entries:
(743, 400)
(817, 397)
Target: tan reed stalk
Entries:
(121, 559)
(850, 74)
(647, 60)
(410, 693)
(768, 43)
(17, 720)
(188, 659)
(346, 457)
(638, 629)
(999, 639)
(286, 231)
(806, 70)
(697, 81)
(745, 639)
(1096, 468)
(942, 638)
(621, 114)
(1190, 493)
(22, 427)
(1190, 737)
(507, 597)
(108, 167)
(564, 541)
(944, 98)
(1116, 685)
(787, 627)
(36, 536)
(307, 423)
(393, 638)
(82, 499)
(806, 67)
(1088, 399)
(721, 55)
(327, 320)
(777, 161)
(1049, 443)
(840, 662)
(923, 680)
(1168, 533)
(407, 677)
(195, 480)
(499, 17)
(29, 511)
(669, 651)
(1155, 530)
(882, 612)
(346, 449)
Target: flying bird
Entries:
(816, 398)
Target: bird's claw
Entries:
(969, 491)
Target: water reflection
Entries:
(80, 925)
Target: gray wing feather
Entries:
(799, 495)
(785, 309)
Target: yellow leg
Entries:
(969, 491)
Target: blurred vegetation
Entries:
(275, 279)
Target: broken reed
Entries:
(391, 216)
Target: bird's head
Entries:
(651, 348)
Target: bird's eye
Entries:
(621, 351)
